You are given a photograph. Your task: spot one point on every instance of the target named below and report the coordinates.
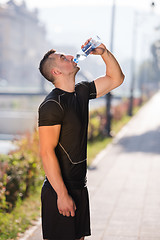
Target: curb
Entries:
(27, 234)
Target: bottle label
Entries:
(85, 51)
(88, 48)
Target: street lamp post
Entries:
(134, 47)
(134, 43)
(108, 95)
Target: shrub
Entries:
(21, 171)
(97, 123)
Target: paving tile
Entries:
(111, 237)
(122, 229)
(150, 229)
(149, 238)
(126, 215)
(150, 235)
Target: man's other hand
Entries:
(66, 205)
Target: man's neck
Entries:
(67, 85)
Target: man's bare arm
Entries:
(48, 139)
(114, 75)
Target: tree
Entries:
(155, 50)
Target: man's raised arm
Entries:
(114, 75)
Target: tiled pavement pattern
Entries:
(124, 182)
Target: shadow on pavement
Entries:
(148, 142)
(91, 167)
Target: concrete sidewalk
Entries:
(124, 182)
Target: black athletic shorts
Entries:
(55, 226)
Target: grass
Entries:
(93, 148)
(23, 215)
(25, 212)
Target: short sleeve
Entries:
(92, 90)
(89, 90)
(50, 113)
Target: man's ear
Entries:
(55, 72)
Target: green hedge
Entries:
(97, 123)
(20, 171)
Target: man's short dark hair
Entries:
(43, 66)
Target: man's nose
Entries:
(70, 57)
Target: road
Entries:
(124, 182)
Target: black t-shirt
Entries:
(70, 110)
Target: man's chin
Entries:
(78, 68)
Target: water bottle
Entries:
(85, 51)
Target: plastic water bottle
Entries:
(85, 51)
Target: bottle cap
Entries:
(75, 60)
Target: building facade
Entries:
(23, 43)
